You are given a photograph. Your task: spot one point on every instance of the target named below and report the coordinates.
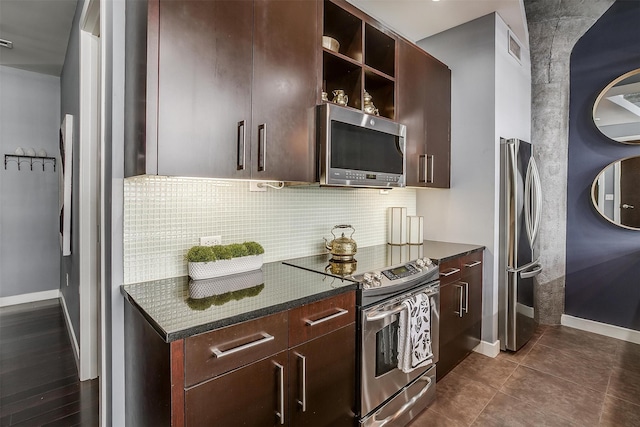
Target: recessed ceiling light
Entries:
(6, 43)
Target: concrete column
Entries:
(554, 28)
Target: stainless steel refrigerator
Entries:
(520, 210)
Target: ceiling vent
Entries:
(6, 43)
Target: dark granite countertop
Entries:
(168, 307)
(444, 251)
(177, 310)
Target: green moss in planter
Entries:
(214, 253)
(201, 254)
(254, 248)
(217, 300)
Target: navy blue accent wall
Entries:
(603, 261)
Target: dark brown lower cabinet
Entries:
(254, 395)
(323, 380)
(295, 368)
(460, 310)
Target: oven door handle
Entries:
(404, 408)
(378, 315)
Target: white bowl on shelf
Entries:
(330, 43)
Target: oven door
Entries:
(380, 377)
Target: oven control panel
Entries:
(398, 274)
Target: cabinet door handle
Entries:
(460, 311)
(280, 413)
(449, 272)
(339, 313)
(262, 147)
(303, 376)
(473, 264)
(242, 136)
(265, 338)
(422, 166)
(432, 168)
(466, 297)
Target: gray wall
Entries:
(490, 98)
(603, 261)
(554, 28)
(70, 104)
(29, 248)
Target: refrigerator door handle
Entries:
(527, 274)
(537, 199)
(528, 203)
(524, 267)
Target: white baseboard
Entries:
(601, 328)
(488, 349)
(72, 335)
(31, 297)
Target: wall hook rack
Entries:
(29, 159)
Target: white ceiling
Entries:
(39, 30)
(417, 19)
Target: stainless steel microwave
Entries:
(358, 149)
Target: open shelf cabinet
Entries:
(365, 60)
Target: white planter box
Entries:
(224, 267)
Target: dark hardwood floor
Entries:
(39, 383)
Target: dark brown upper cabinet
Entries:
(364, 61)
(424, 106)
(222, 89)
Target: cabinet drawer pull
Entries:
(431, 170)
(265, 338)
(473, 264)
(241, 145)
(339, 313)
(262, 147)
(280, 413)
(449, 272)
(303, 376)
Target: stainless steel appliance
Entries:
(520, 212)
(358, 149)
(387, 395)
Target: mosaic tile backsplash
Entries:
(165, 216)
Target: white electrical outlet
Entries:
(210, 240)
(255, 186)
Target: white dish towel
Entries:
(414, 333)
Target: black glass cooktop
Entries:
(372, 258)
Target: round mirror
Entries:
(615, 193)
(617, 109)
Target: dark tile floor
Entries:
(562, 377)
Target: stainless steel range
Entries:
(389, 275)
